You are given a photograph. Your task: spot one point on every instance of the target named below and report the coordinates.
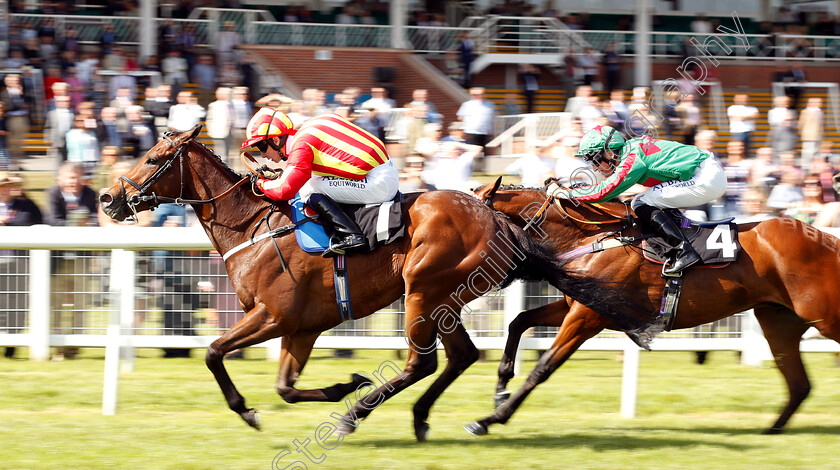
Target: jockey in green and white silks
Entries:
(678, 176)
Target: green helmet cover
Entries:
(599, 139)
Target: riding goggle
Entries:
(263, 145)
(596, 156)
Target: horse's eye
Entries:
(152, 161)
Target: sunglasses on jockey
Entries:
(263, 145)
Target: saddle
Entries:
(381, 223)
(715, 241)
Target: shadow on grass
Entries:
(757, 431)
(597, 442)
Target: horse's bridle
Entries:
(154, 200)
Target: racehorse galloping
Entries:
(290, 294)
(785, 272)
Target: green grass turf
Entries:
(172, 416)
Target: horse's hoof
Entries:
(252, 417)
(501, 397)
(476, 429)
(421, 432)
(773, 431)
(360, 380)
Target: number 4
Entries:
(721, 239)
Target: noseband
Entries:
(154, 200)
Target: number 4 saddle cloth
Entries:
(715, 241)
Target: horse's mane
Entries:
(230, 172)
(515, 187)
(617, 206)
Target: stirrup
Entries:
(665, 266)
(679, 273)
(341, 247)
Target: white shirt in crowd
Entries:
(183, 117)
(477, 117)
(739, 112)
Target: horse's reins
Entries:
(583, 221)
(154, 200)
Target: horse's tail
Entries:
(539, 263)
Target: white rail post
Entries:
(754, 347)
(111, 377)
(273, 349)
(123, 277)
(39, 305)
(514, 303)
(630, 380)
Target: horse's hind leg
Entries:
(421, 362)
(547, 315)
(255, 328)
(580, 324)
(295, 351)
(461, 353)
(783, 330)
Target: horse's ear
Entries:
(194, 132)
(496, 185)
(487, 191)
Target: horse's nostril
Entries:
(106, 199)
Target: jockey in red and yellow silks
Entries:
(327, 146)
(328, 158)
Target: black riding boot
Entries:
(343, 231)
(664, 225)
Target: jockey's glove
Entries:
(265, 172)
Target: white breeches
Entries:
(707, 184)
(379, 185)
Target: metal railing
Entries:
(535, 130)
(538, 36)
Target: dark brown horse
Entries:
(786, 272)
(440, 265)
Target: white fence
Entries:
(99, 295)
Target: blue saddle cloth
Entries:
(381, 224)
(311, 236)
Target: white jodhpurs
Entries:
(707, 184)
(379, 185)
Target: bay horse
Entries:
(440, 265)
(785, 273)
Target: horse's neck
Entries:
(558, 224)
(229, 220)
(576, 232)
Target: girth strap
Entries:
(598, 246)
(670, 301)
(342, 289)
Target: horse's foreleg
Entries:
(784, 330)
(580, 325)
(421, 362)
(461, 353)
(294, 354)
(257, 326)
(547, 315)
